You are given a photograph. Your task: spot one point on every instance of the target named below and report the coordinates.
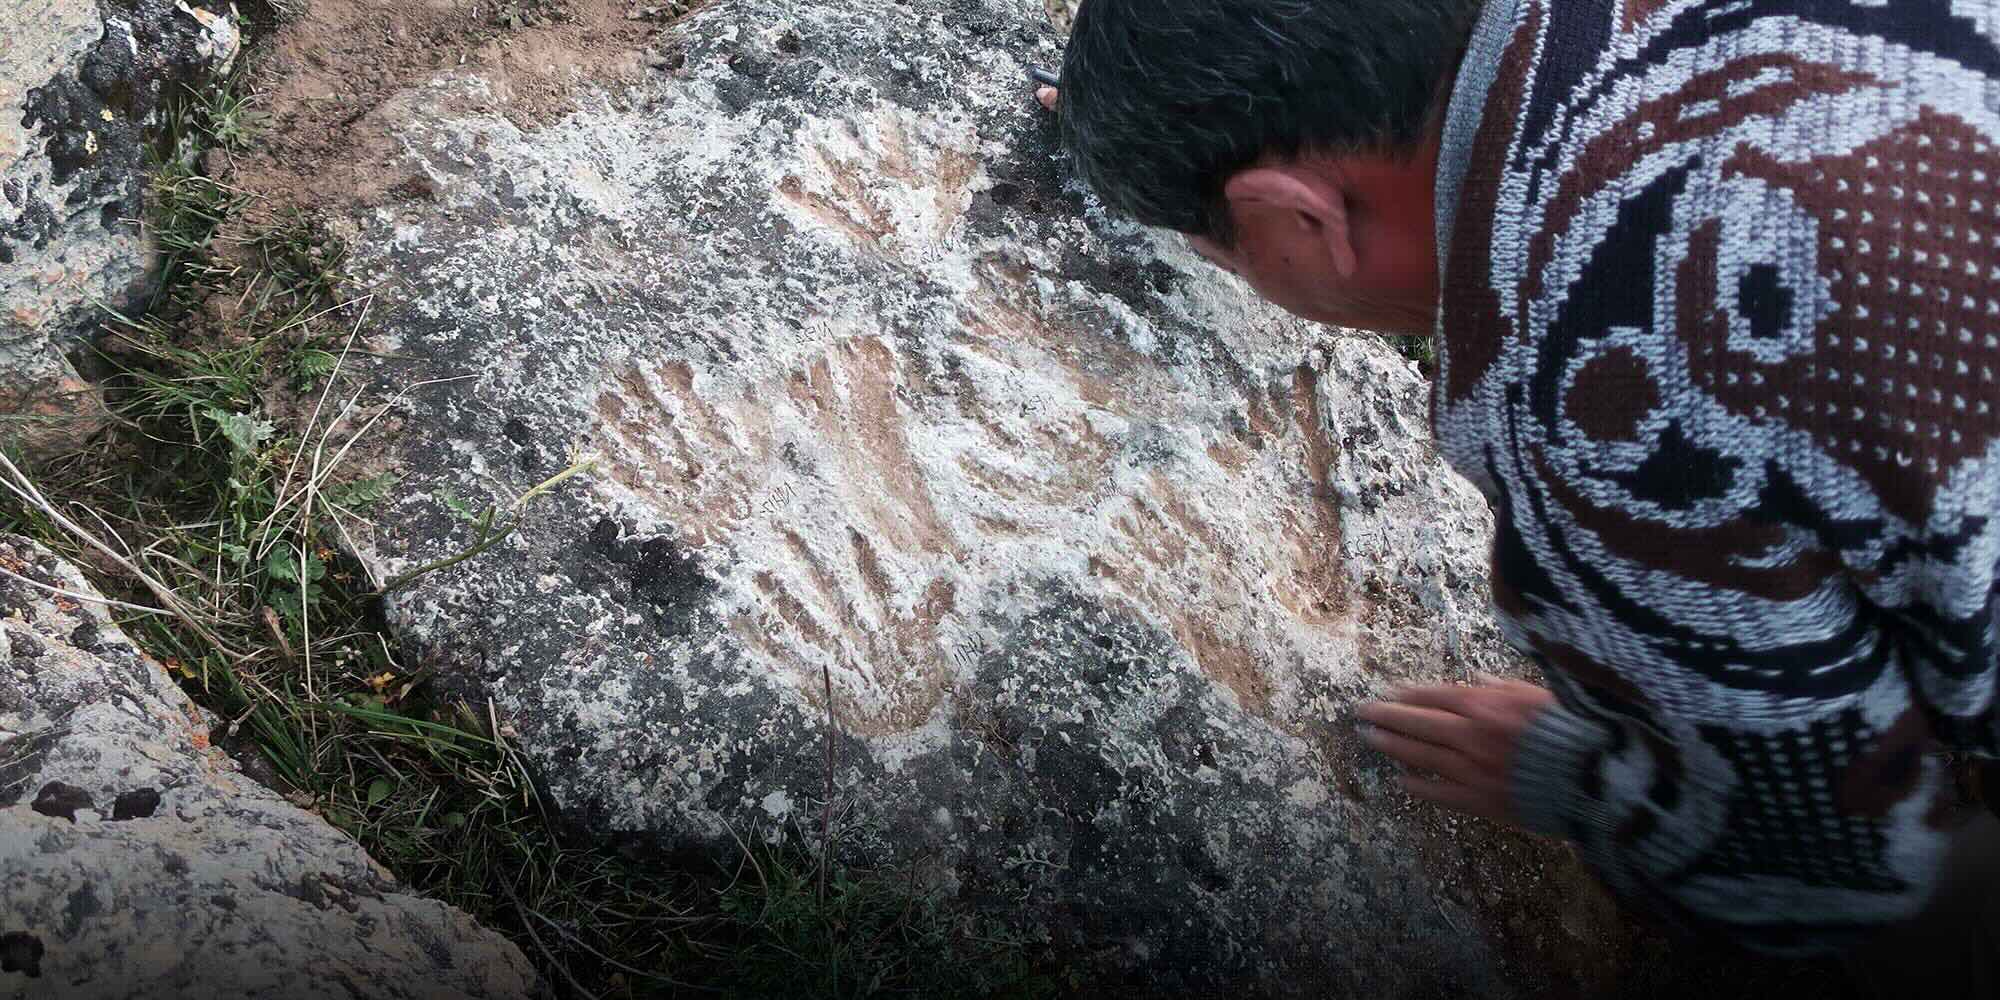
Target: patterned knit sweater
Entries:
(1719, 339)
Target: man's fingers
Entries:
(1486, 701)
(1426, 724)
(1048, 96)
(1463, 734)
(1454, 698)
(1441, 761)
(1515, 686)
(1453, 796)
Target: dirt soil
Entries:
(321, 76)
(1560, 935)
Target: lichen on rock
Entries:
(136, 861)
(82, 83)
(1093, 553)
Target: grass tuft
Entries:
(218, 519)
(1422, 350)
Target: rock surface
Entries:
(81, 82)
(1093, 553)
(135, 861)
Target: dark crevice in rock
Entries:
(21, 952)
(667, 575)
(138, 803)
(85, 636)
(61, 800)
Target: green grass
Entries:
(206, 503)
(1420, 350)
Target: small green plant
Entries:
(228, 115)
(187, 207)
(487, 531)
(1421, 350)
(294, 276)
(309, 366)
(359, 494)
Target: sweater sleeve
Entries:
(1941, 613)
(1556, 753)
(1694, 818)
(1567, 783)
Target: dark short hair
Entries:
(1163, 100)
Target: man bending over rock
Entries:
(1716, 292)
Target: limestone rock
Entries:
(1094, 553)
(136, 862)
(81, 82)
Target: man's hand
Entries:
(1048, 96)
(1465, 736)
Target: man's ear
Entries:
(1310, 198)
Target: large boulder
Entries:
(135, 861)
(1085, 555)
(81, 84)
